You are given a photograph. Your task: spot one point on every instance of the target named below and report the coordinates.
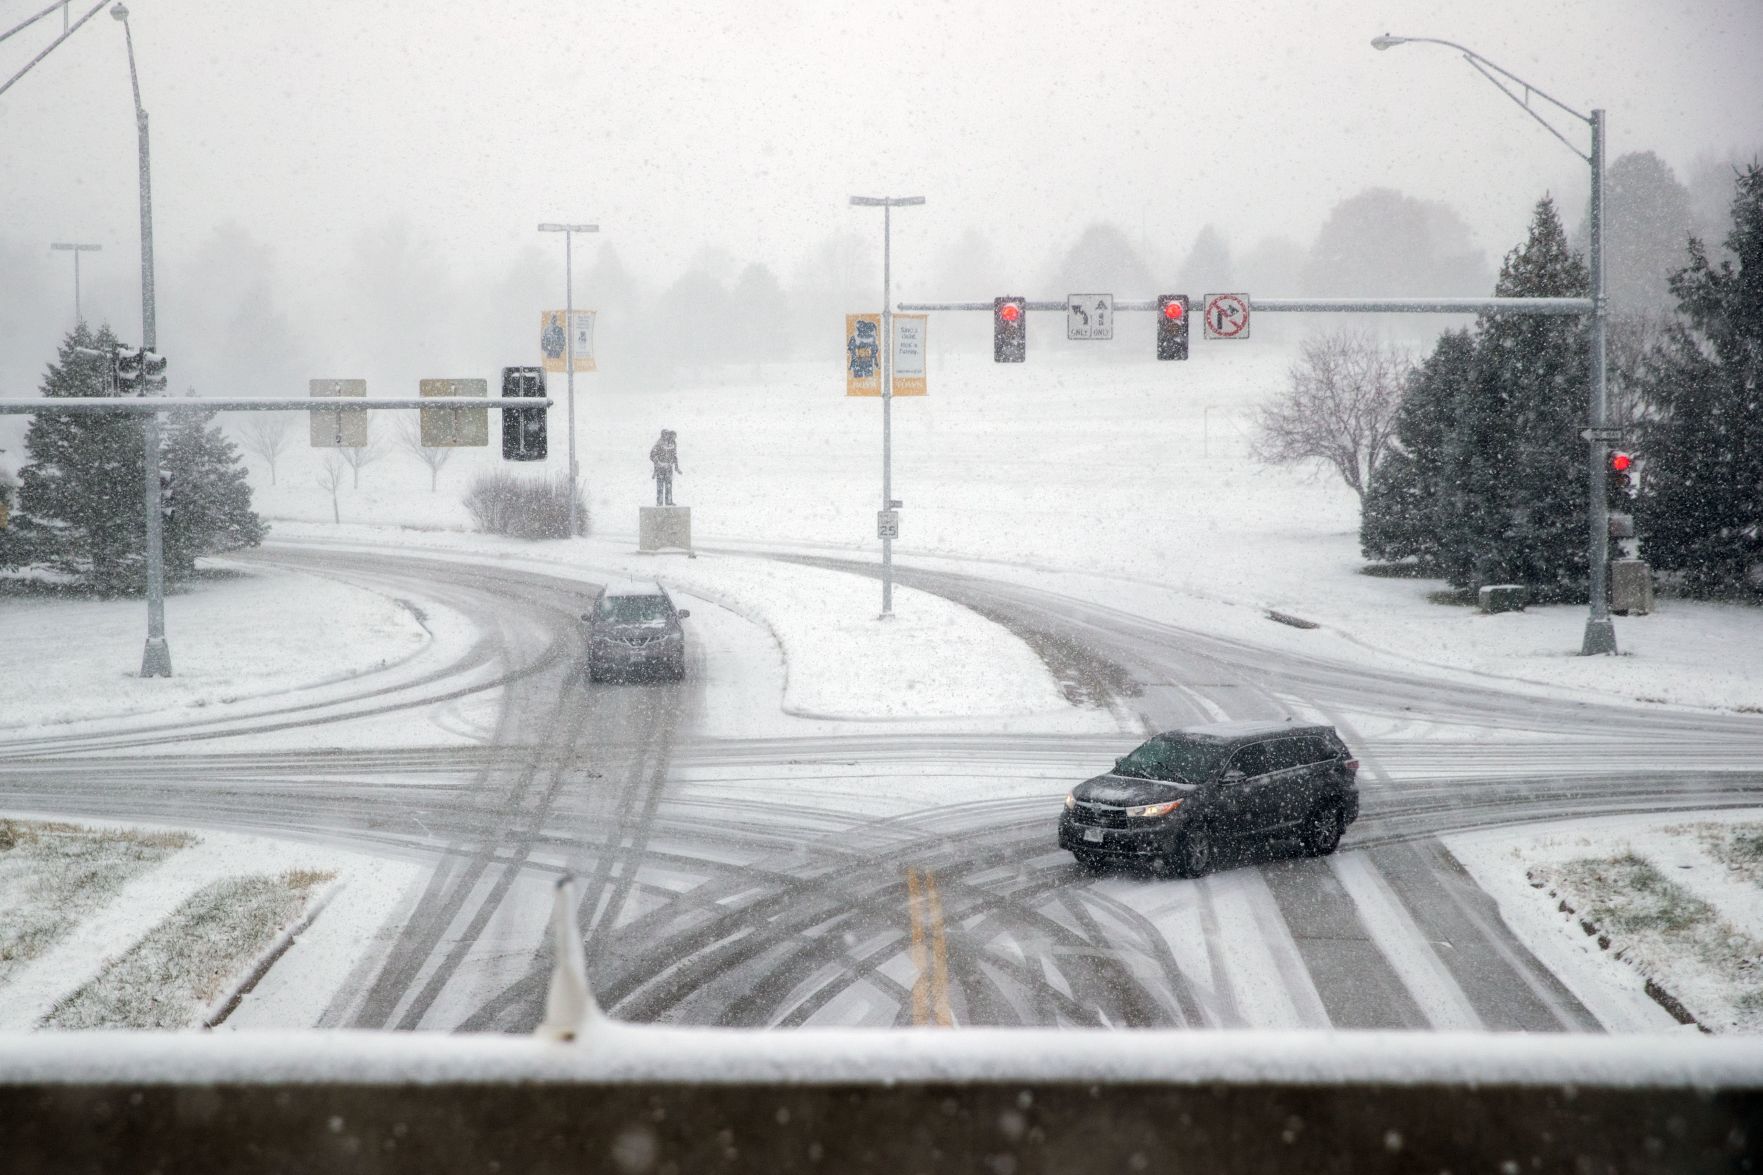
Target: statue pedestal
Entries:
(664, 528)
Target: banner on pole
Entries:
(909, 352)
(863, 354)
(557, 340)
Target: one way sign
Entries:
(1089, 316)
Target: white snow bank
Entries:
(1614, 989)
(364, 888)
(932, 660)
(613, 1052)
(239, 635)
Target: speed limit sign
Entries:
(1227, 316)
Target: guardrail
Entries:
(653, 1099)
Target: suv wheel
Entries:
(1091, 862)
(1193, 852)
(1322, 833)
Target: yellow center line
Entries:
(920, 992)
(939, 954)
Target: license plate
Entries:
(1093, 835)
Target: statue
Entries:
(664, 456)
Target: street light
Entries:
(156, 657)
(76, 249)
(1600, 633)
(887, 204)
(569, 231)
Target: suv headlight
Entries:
(1163, 809)
(1070, 800)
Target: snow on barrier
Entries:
(627, 1098)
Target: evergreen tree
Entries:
(1545, 364)
(211, 500)
(82, 484)
(1515, 461)
(1701, 510)
(1406, 507)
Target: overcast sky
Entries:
(746, 125)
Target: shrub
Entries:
(525, 507)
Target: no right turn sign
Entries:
(1227, 316)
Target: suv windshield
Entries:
(1171, 759)
(631, 610)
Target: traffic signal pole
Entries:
(156, 656)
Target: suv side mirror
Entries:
(684, 613)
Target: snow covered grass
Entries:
(115, 926)
(53, 876)
(1132, 481)
(235, 635)
(184, 964)
(1648, 905)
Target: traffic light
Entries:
(1172, 326)
(125, 362)
(166, 503)
(523, 429)
(1619, 476)
(153, 372)
(1009, 330)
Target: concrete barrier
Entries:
(690, 1102)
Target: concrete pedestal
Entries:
(664, 528)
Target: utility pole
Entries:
(76, 249)
(569, 231)
(887, 205)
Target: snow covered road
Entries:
(897, 873)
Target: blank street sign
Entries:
(333, 429)
(449, 428)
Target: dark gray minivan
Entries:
(1176, 799)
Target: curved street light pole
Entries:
(1600, 633)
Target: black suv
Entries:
(634, 627)
(1172, 802)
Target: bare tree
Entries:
(330, 479)
(1340, 407)
(410, 440)
(266, 435)
(359, 459)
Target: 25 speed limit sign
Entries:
(1227, 316)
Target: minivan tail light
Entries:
(1353, 765)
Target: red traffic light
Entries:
(1010, 311)
(1620, 462)
(1173, 310)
